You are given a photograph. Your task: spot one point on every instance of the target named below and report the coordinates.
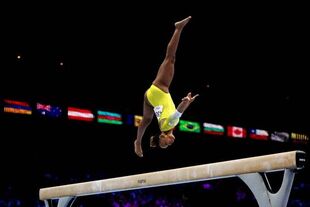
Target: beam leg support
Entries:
(263, 194)
(62, 202)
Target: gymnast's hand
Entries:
(186, 102)
(138, 148)
(189, 98)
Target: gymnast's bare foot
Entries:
(138, 148)
(182, 23)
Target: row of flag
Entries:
(74, 113)
(242, 133)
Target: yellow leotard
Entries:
(163, 107)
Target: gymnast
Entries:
(158, 101)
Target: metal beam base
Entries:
(263, 194)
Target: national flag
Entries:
(109, 117)
(189, 126)
(49, 110)
(234, 131)
(138, 120)
(279, 136)
(17, 107)
(80, 114)
(214, 129)
(129, 119)
(258, 134)
(299, 138)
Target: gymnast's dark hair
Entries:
(154, 140)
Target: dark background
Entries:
(247, 62)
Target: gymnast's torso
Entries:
(163, 107)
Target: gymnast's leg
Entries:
(166, 70)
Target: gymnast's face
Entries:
(166, 139)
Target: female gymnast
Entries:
(158, 101)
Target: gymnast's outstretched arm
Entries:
(186, 101)
(147, 118)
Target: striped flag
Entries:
(258, 134)
(214, 129)
(109, 117)
(234, 131)
(17, 107)
(80, 114)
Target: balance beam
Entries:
(243, 168)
